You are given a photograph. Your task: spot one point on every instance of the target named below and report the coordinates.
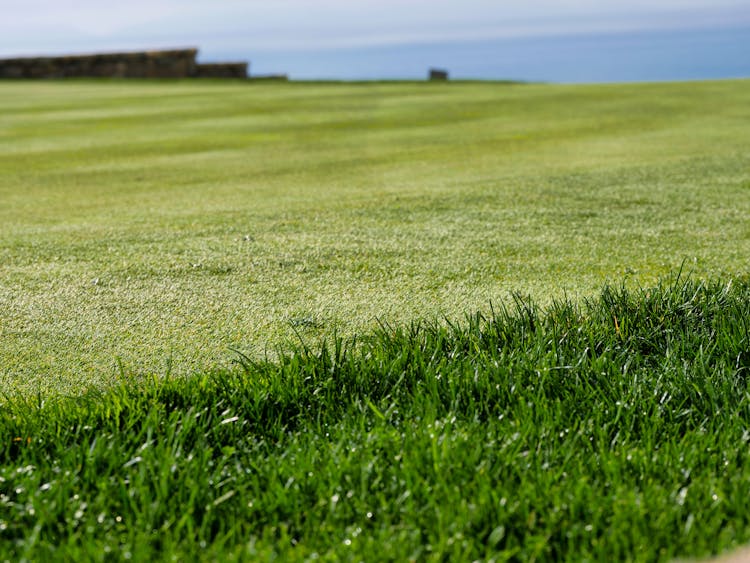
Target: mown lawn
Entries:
(151, 227)
(397, 321)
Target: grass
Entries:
(165, 223)
(233, 321)
(614, 428)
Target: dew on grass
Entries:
(681, 496)
(80, 512)
(689, 522)
(132, 462)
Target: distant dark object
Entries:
(438, 74)
(269, 78)
(221, 70)
(176, 63)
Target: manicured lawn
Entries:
(396, 321)
(162, 224)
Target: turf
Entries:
(163, 224)
(611, 429)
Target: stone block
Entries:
(438, 74)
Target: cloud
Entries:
(75, 25)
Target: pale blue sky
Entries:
(222, 26)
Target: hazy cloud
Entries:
(35, 26)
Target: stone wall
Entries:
(178, 63)
(221, 70)
(438, 74)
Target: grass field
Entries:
(165, 223)
(390, 302)
(613, 431)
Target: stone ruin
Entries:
(177, 63)
(438, 74)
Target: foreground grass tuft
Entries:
(615, 428)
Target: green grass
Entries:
(165, 223)
(284, 321)
(610, 429)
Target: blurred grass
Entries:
(162, 224)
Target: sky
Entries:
(223, 28)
